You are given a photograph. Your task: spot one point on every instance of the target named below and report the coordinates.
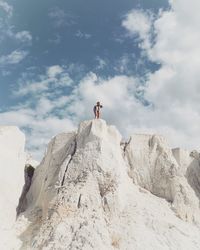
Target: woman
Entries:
(96, 109)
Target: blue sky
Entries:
(58, 57)
(72, 33)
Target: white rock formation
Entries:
(12, 162)
(191, 167)
(153, 166)
(91, 191)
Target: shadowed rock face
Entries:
(28, 175)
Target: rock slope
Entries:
(93, 191)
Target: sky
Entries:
(140, 58)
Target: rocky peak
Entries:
(91, 191)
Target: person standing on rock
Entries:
(97, 109)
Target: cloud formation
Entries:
(137, 22)
(42, 112)
(15, 41)
(14, 57)
(61, 18)
(23, 36)
(6, 7)
(174, 88)
(54, 70)
(38, 126)
(165, 101)
(49, 83)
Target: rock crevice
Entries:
(28, 175)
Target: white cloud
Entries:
(14, 57)
(116, 94)
(7, 8)
(122, 64)
(32, 87)
(174, 89)
(40, 127)
(44, 106)
(54, 70)
(9, 32)
(61, 18)
(41, 122)
(177, 50)
(13, 37)
(64, 80)
(139, 23)
(48, 84)
(122, 108)
(101, 63)
(8, 28)
(24, 36)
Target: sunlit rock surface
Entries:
(94, 191)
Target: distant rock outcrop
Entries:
(92, 191)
